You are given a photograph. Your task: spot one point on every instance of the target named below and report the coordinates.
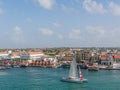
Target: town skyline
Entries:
(58, 23)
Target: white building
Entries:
(4, 55)
(36, 55)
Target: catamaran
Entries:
(75, 75)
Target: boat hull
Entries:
(116, 65)
(93, 69)
(73, 80)
(23, 66)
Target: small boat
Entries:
(75, 75)
(93, 69)
(23, 65)
(116, 65)
(3, 68)
(16, 66)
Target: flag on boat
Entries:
(81, 76)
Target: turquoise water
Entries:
(49, 79)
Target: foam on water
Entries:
(3, 73)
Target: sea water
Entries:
(35, 78)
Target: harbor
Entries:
(86, 58)
(48, 72)
(34, 78)
(44, 75)
(59, 45)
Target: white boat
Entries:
(75, 75)
(116, 65)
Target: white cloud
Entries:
(114, 8)
(47, 4)
(96, 31)
(103, 35)
(17, 28)
(17, 35)
(57, 25)
(2, 11)
(46, 31)
(111, 37)
(29, 20)
(93, 7)
(75, 34)
(60, 36)
(99, 36)
(68, 9)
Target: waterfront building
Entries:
(117, 58)
(116, 63)
(49, 59)
(4, 55)
(36, 55)
(107, 58)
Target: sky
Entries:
(59, 23)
